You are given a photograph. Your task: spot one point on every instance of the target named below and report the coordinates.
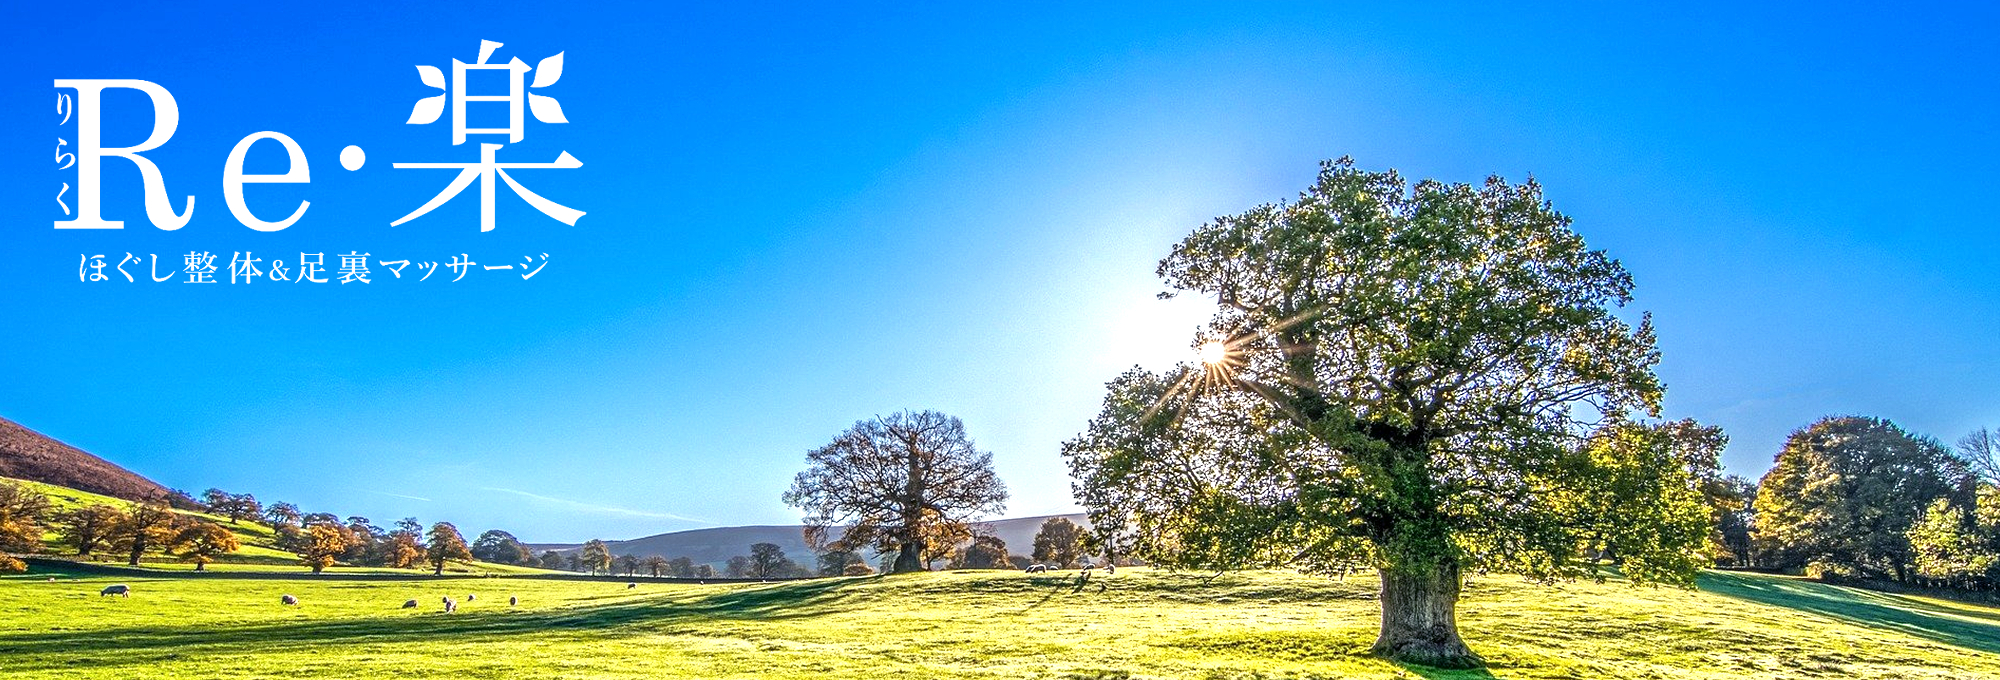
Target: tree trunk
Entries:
(909, 558)
(1419, 620)
(199, 565)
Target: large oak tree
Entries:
(1408, 378)
(912, 482)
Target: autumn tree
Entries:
(985, 552)
(146, 527)
(403, 549)
(1396, 377)
(22, 512)
(201, 542)
(321, 545)
(444, 544)
(1844, 492)
(89, 527)
(910, 483)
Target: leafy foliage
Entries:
(1059, 543)
(1403, 377)
(1845, 492)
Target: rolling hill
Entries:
(715, 546)
(27, 454)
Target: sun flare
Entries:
(1214, 352)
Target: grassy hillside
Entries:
(1139, 624)
(259, 550)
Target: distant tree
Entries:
(1059, 543)
(1732, 500)
(836, 562)
(1981, 452)
(657, 566)
(22, 511)
(574, 560)
(321, 518)
(90, 527)
(1845, 492)
(1019, 561)
(282, 513)
(596, 556)
(985, 552)
(178, 500)
(767, 560)
(1639, 501)
(10, 565)
(230, 505)
(145, 528)
(1397, 376)
(858, 569)
(738, 567)
(322, 546)
(444, 544)
(403, 550)
(628, 564)
(1960, 548)
(201, 542)
(910, 482)
(704, 571)
(367, 544)
(500, 547)
(410, 524)
(552, 560)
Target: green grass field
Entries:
(1138, 624)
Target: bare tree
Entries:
(911, 483)
(1981, 453)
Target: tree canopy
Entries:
(1845, 492)
(1399, 377)
(911, 483)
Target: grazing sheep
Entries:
(410, 604)
(470, 597)
(511, 601)
(1037, 568)
(287, 599)
(630, 586)
(120, 590)
(450, 605)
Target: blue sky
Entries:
(798, 217)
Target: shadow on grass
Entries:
(140, 645)
(1430, 673)
(1959, 625)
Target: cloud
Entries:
(597, 509)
